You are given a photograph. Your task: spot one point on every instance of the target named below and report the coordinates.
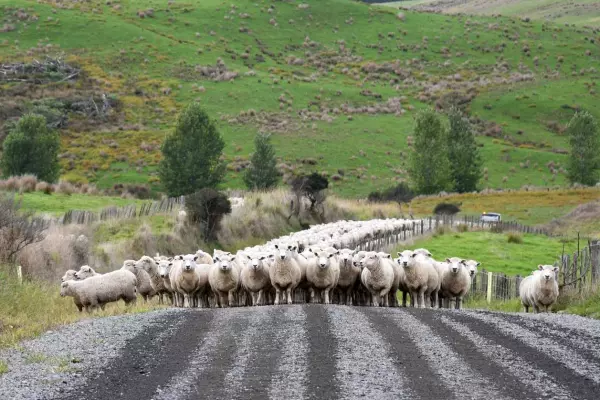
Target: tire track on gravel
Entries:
(510, 362)
(565, 355)
(365, 367)
(140, 368)
(449, 366)
(407, 357)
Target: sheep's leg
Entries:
(385, 299)
(326, 296)
(435, 299)
(312, 295)
(404, 296)
(414, 298)
(526, 308)
(459, 303)
(422, 299)
(536, 309)
(375, 300)
(348, 297)
(290, 299)
(277, 296)
(231, 298)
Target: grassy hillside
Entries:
(337, 83)
(582, 12)
(494, 251)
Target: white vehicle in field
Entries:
(490, 217)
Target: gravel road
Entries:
(311, 352)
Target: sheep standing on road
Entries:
(421, 277)
(149, 265)
(540, 290)
(378, 277)
(456, 282)
(184, 280)
(224, 279)
(285, 274)
(98, 290)
(255, 278)
(144, 283)
(322, 274)
(349, 276)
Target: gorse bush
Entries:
(400, 193)
(514, 238)
(446, 209)
(207, 208)
(311, 187)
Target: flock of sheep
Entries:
(328, 263)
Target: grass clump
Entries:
(462, 228)
(3, 367)
(514, 238)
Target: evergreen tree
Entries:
(262, 173)
(584, 162)
(429, 167)
(191, 155)
(31, 148)
(463, 154)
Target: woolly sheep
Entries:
(255, 278)
(472, 267)
(203, 293)
(421, 277)
(98, 290)
(150, 266)
(184, 280)
(456, 282)
(378, 277)
(144, 283)
(85, 272)
(349, 276)
(540, 290)
(203, 257)
(285, 274)
(323, 273)
(164, 266)
(69, 275)
(224, 279)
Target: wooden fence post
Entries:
(19, 274)
(518, 280)
(489, 288)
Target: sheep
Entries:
(204, 257)
(203, 293)
(472, 267)
(323, 273)
(285, 274)
(456, 282)
(255, 278)
(349, 274)
(144, 283)
(101, 289)
(85, 272)
(164, 267)
(378, 277)
(421, 277)
(184, 280)
(70, 275)
(224, 279)
(150, 266)
(540, 290)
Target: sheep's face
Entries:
(224, 262)
(472, 267)
(282, 252)
(64, 289)
(189, 262)
(422, 251)
(69, 275)
(548, 272)
(455, 265)
(346, 255)
(406, 259)
(370, 261)
(163, 268)
(84, 272)
(324, 258)
(356, 260)
(256, 262)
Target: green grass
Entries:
(494, 252)
(138, 59)
(3, 367)
(57, 203)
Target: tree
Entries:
(401, 193)
(584, 162)
(262, 173)
(31, 148)
(312, 187)
(463, 154)
(429, 167)
(192, 154)
(207, 208)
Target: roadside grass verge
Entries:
(33, 307)
(494, 250)
(58, 203)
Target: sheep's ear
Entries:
(196, 258)
(448, 260)
(217, 258)
(354, 252)
(262, 258)
(555, 269)
(277, 246)
(540, 267)
(170, 264)
(399, 254)
(429, 254)
(463, 262)
(331, 255)
(181, 258)
(337, 252)
(478, 264)
(414, 255)
(249, 258)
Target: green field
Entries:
(581, 12)
(351, 55)
(494, 252)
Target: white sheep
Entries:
(285, 274)
(456, 282)
(144, 283)
(164, 266)
(378, 277)
(472, 267)
(98, 290)
(421, 277)
(349, 276)
(323, 273)
(255, 278)
(69, 275)
(203, 293)
(85, 272)
(184, 280)
(150, 266)
(540, 290)
(203, 257)
(224, 279)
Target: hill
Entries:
(337, 83)
(581, 12)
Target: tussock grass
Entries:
(514, 238)
(33, 307)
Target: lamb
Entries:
(421, 277)
(101, 289)
(85, 272)
(69, 276)
(456, 282)
(255, 278)
(323, 273)
(378, 277)
(184, 280)
(540, 290)
(349, 274)
(149, 265)
(144, 283)
(285, 274)
(224, 279)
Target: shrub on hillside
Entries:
(446, 209)
(262, 173)
(514, 238)
(207, 207)
(311, 187)
(400, 193)
(18, 229)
